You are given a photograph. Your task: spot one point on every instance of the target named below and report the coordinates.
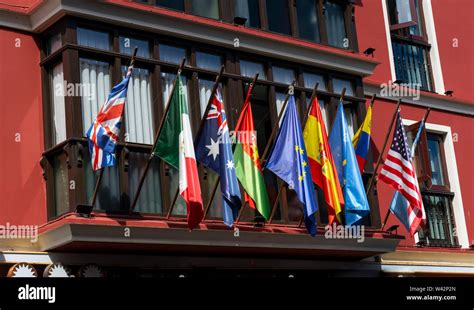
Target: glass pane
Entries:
(95, 77)
(339, 84)
(250, 68)
(411, 65)
(283, 75)
(138, 111)
(416, 29)
(54, 43)
(171, 4)
(150, 195)
(279, 101)
(336, 25)
(208, 8)
(437, 177)
(127, 44)
(311, 79)
(278, 16)
(172, 54)
(249, 10)
(59, 108)
(167, 80)
(93, 38)
(440, 226)
(349, 115)
(308, 27)
(404, 12)
(208, 61)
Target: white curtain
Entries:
(349, 115)
(150, 196)
(205, 89)
(95, 76)
(93, 38)
(335, 24)
(59, 109)
(280, 100)
(138, 112)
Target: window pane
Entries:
(279, 101)
(54, 43)
(167, 80)
(283, 75)
(94, 75)
(127, 44)
(349, 115)
(172, 54)
(404, 12)
(278, 16)
(250, 68)
(308, 27)
(311, 79)
(171, 4)
(249, 10)
(440, 228)
(150, 195)
(208, 61)
(335, 24)
(138, 110)
(208, 8)
(339, 84)
(93, 38)
(437, 177)
(59, 109)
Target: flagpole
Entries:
(343, 93)
(387, 215)
(216, 183)
(272, 135)
(201, 125)
(157, 135)
(101, 173)
(372, 180)
(280, 189)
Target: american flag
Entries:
(398, 171)
(104, 133)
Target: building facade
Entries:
(60, 58)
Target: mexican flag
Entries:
(175, 146)
(247, 162)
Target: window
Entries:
(208, 61)
(339, 84)
(138, 111)
(93, 38)
(409, 43)
(248, 9)
(58, 108)
(278, 16)
(283, 75)
(430, 164)
(171, 4)
(127, 44)
(336, 24)
(250, 68)
(208, 8)
(94, 74)
(311, 79)
(172, 54)
(308, 26)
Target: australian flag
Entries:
(214, 150)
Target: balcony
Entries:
(151, 229)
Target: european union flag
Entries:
(213, 149)
(355, 201)
(288, 160)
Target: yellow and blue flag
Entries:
(288, 160)
(356, 205)
(361, 140)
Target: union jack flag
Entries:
(398, 171)
(104, 133)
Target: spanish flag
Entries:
(361, 140)
(321, 162)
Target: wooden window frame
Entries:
(232, 81)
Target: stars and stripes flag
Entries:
(104, 132)
(214, 150)
(398, 172)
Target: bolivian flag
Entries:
(321, 162)
(361, 140)
(247, 162)
(175, 146)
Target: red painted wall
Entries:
(464, 148)
(21, 183)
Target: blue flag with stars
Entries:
(355, 201)
(214, 150)
(289, 161)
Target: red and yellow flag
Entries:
(321, 162)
